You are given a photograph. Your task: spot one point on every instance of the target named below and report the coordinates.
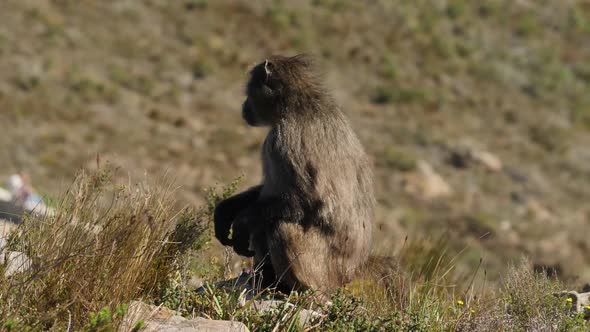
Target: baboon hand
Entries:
(227, 210)
(223, 218)
(241, 237)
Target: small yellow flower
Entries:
(459, 302)
(472, 311)
(569, 300)
(587, 307)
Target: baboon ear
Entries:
(268, 67)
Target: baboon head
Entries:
(274, 84)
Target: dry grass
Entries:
(106, 245)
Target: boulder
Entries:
(158, 318)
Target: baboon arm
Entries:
(252, 221)
(227, 210)
(256, 217)
(268, 210)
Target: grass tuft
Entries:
(106, 245)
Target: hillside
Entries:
(156, 86)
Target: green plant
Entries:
(455, 9)
(383, 96)
(104, 320)
(201, 69)
(138, 326)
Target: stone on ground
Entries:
(156, 318)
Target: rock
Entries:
(6, 227)
(488, 160)
(537, 210)
(14, 262)
(305, 316)
(425, 183)
(5, 195)
(465, 153)
(11, 261)
(179, 324)
(250, 297)
(162, 319)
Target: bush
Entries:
(106, 245)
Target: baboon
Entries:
(308, 225)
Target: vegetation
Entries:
(109, 244)
(105, 246)
(160, 86)
(416, 78)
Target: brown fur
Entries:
(310, 223)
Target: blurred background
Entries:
(476, 114)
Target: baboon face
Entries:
(270, 82)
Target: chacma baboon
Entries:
(309, 223)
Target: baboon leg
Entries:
(264, 275)
(303, 259)
(266, 278)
